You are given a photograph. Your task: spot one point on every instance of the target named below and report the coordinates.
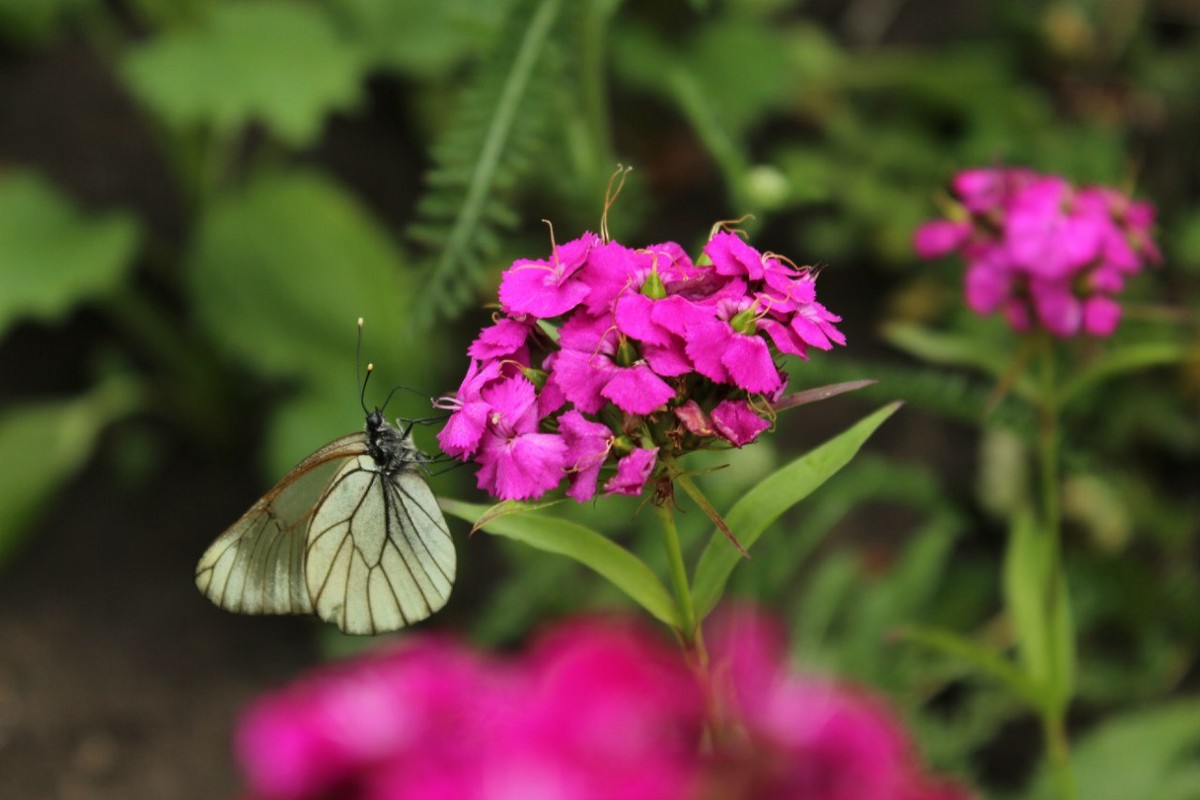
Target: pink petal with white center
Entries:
(637, 390)
(706, 342)
(736, 422)
(513, 405)
(632, 472)
(749, 362)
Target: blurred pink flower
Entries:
(1042, 252)
(594, 710)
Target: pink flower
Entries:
(736, 421)
(516, 462)
(463, 430)
(544, 288)
(644, 343)
(632, 472)
(1041, 252)
(588, 444)
(594, 710)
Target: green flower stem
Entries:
(1058, 750)
(1053, 713)
(679, 578)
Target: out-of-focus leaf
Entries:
(52, 257)
(948, 349)
(23, 21)
(763, 504)
(1036, 597)
(619, 566)
(281, 64)
(421, 38)
(1148, 753)
(281, 270)
(980, 657)
(43, 445)
(1128, 358)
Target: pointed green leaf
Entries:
(1025, 595)
(980, 657)
(763, 504)
(619, 566)
(1121, 360)
(52, 257)
(281, 64)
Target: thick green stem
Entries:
(1058, 750)
(1053, 714)
(679, 577)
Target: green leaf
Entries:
(493, 141)
(1037, 600)
(281, 64)
(423, 39)
(948, 349)
(763, 504)
(1121, 360)
(52, 257)
(281, 271)
(44, 445)
(1148, 753)
(599, 553)
(987, 662)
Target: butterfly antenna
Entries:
(362, 394)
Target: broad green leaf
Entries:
(763, 504)
(1026, 595)
(980, 657)
(52, 257)
(1037, 600)
(1149, 753)
(1121, 360)
(44, 445)
(281, 271)
(420, 38)
(280, 64)
(599, 553)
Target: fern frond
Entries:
(487, 149)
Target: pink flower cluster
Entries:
(1042, 252)
(595, 709)
(607, 355)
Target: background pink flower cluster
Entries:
(595, 709)
(606, 354)
(1042, 252)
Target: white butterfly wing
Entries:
(379, 552)
(257, 565)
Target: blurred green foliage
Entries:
(835, 128)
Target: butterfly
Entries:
(352, 534)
